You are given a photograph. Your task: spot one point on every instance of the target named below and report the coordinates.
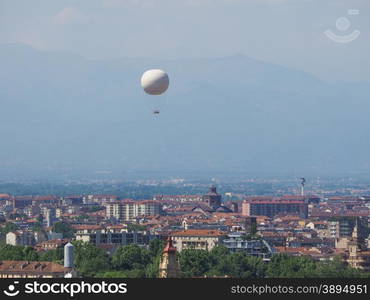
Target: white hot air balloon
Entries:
(155, 82)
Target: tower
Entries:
(303, 181)
(213, 198)
(68, 255)
(250, 225)
(169, 266)
(50, 215)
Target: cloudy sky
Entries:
(286, 32)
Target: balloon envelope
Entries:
(155, 82)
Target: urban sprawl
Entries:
(199, 235)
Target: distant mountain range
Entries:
(235, 114)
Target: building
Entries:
(178, 198)
(130, 210)
(51, 244)
(169, 266)
(250, 225)
(31, 211)
(271, 208)
(213, 199)
(118, 235)
(234, 207)
(32, 269)
(20, 238)
(197, 239)
(254, 247)
(148, 208)
(29, 238)
(50, 216)
(21, 201)
(24, 201)
(99, 199)
(344, 226)
(39, 269)
(343, 229)
(357, 256)
(72, 200)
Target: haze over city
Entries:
(256, 88)
(192, 139)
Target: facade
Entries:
(344, 226)
(29, 238)
(271, 208)
(99, 199)
(178, 198)
(20, 238)
(253, 247)
(23, 201)
(51, 244)
(129, 210)
(50, 216)
(100, 235)
(72, 200)
(148, 208)
(197, 239)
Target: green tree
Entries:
(9, 252)
(37, 227)
(52, 255)
(152, 269)
(130, 257)
(284, 266)
(156, 247)
(243, 265)
(30, 254)
(195, 263)
(136, 273)
(337, 269)
(9, 227)
(64, 228)
(89, 259)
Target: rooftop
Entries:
(31, 266)
(199, 232)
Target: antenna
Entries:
(303, 181)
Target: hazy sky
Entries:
(287, 32)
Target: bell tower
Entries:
(169, 266)
(213, 199)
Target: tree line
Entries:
(132, 261)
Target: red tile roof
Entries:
(35, 267)
(199, 232)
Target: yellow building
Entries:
(202, 239)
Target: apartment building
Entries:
(129, 210)
(108, 235)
